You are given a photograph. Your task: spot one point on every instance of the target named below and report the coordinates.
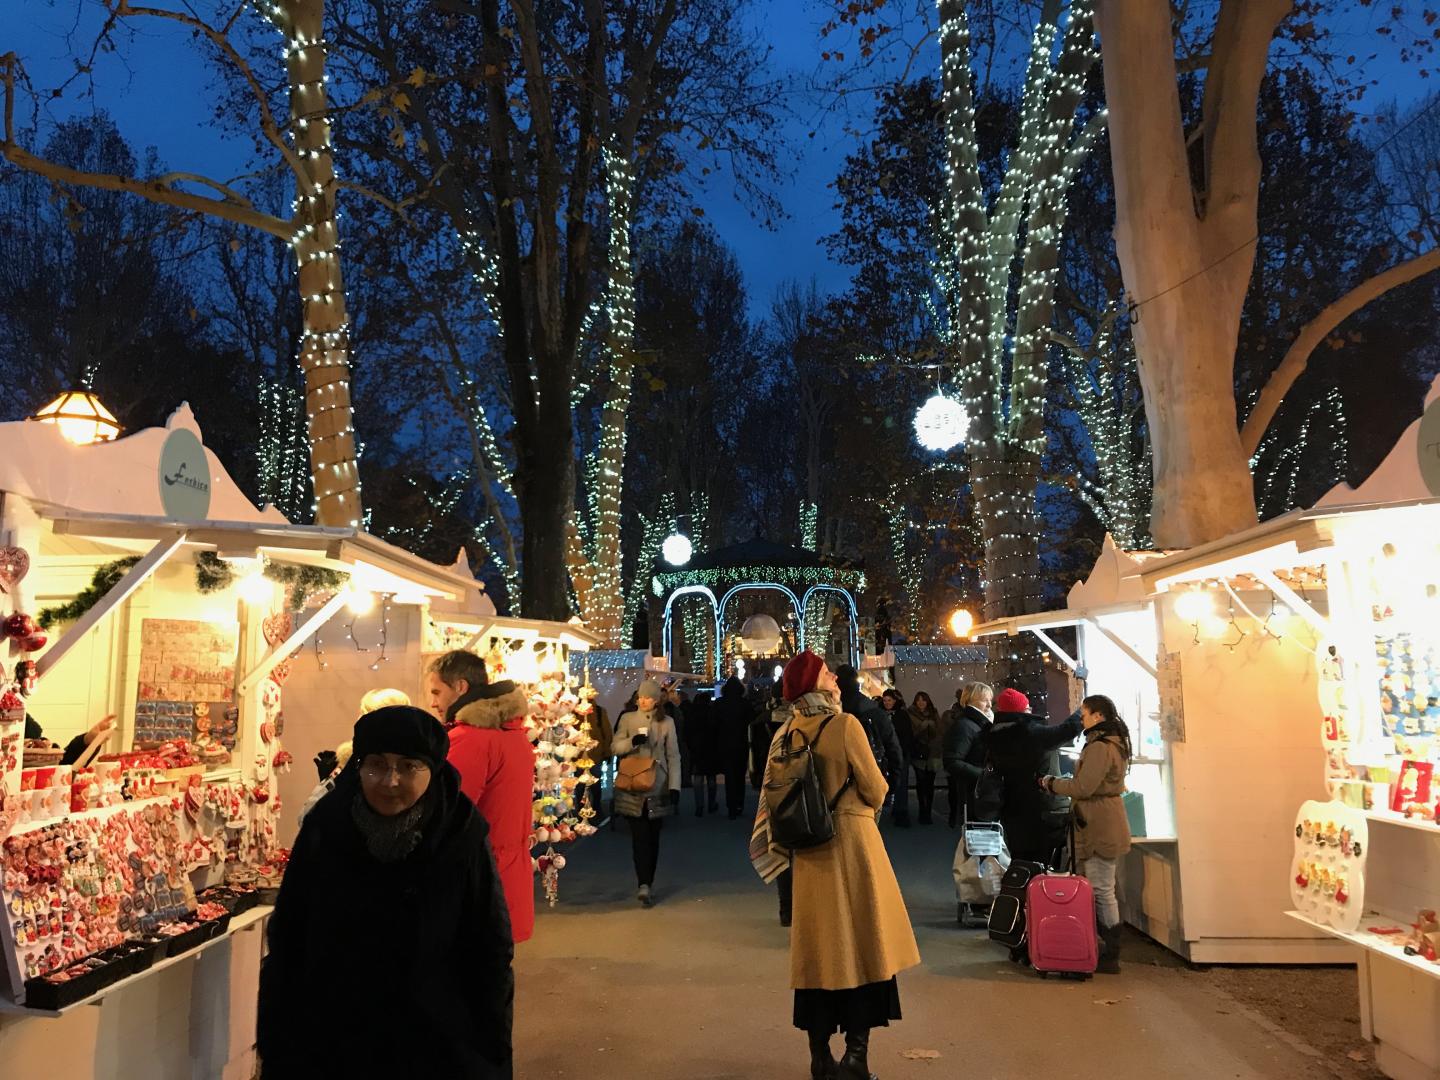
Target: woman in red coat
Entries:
(496, 763)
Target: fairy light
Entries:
(809, 524)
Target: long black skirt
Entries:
(870, 1006)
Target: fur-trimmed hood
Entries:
(492, 712)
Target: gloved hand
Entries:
(639, 739)
(325, 762)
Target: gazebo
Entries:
(699, 612)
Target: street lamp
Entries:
(961, 622)
(677, 549)
(81, 418)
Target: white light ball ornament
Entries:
(941, 423)
(677, 549)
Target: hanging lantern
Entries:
(677, 549)
(941, 423)
(81, 418)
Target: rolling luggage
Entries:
(1007, 913)
(1060, 925)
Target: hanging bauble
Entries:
(760, 635)
(677, 549)
(941, 423)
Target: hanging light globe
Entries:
(81, 418)
(941, 423)
(760, 635)
(677, 549)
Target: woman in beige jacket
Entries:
(1102, 831)
(851, 933)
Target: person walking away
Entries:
(962, 750)
(925, 738)
(948, 719)
(893, 703)
(452, 681)
(646, 733)
(390, 948)
(699, 734)
(732, 719)
(492, 753)
(1102, 831)
(875, 720)
(329, 763)
(851, 933)
(674, 707)
(1022, 748)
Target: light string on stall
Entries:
(384, 632)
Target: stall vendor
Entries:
(76, 746)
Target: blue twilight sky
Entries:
(158, 95)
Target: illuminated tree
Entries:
(302, 147)
(996, 276)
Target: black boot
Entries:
(822, 1062)
(1109, 951)
(855, 1064)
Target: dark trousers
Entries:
(900, 790)
(645, 845)
(735, 786)
(925, 793)
(785, 886)
(700, 782)
(953, 797)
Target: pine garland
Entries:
(213, 574)
(102, 581)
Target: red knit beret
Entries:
(1013, 701)
(800, 675)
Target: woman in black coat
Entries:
(390, 948)
(1022, 748)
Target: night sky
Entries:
(159, 97)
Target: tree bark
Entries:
(1297, 357)
(1188, 292)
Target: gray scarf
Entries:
(388, 839)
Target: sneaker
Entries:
(643, 895)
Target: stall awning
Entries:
(375, 564)
(1051, 620)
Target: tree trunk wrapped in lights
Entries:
(998, 314)
(311, 231)
(594, 552)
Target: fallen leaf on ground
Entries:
(1107, 1001)
(920, 1055)
(1358, 1055)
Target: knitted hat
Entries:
(651, 689)
(403, 730)
(1012, 701)
(801, 674)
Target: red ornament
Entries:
(33, 642)
(19, 625)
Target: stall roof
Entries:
(381, 566)
(578, 637)
(1050, 620)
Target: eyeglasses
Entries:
(377, 771)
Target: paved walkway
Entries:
(695, 988)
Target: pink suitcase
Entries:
(1060, 922)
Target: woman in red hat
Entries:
(851, 933)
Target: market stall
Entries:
(138, 582)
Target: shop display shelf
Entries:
(198, 935)
(1374, 943)
(1389, 817)
(239, 922)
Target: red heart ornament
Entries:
(277, 626)
(14, 565)
(280, 672)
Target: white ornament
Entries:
(677, 549)
(941, 423)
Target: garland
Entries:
(212, 574)
(850, 580)
(102, 581)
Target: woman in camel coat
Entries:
(851, 933)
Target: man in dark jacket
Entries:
(884, 743)
(390, 945)
(698, 740)
(1022, 748)
(732, 716)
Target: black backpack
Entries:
(988, 800)
(800, 815)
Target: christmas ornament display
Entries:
(1327, 872)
